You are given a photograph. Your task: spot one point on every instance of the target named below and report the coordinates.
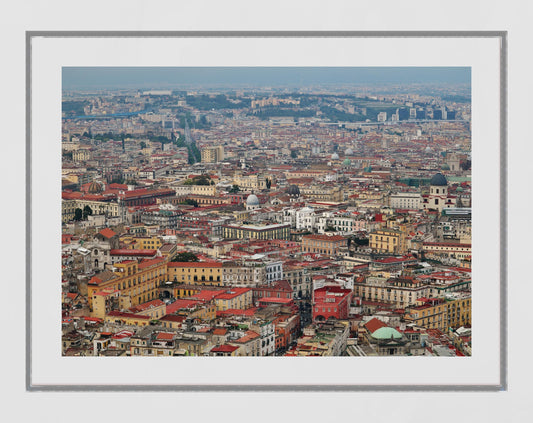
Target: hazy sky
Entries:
(174, 77)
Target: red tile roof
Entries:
(249, 335)
(95, 280)
(234, 292)
(225, 348)
(165, 336)
(147, 263)
(122, 314)
(276, 300)
(145, 306)
(181, 304)
(374, 324)
(236, 312)
(108, 233)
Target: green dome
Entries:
(445, 166)
(347, 162)
(459, 189)
(386, 333)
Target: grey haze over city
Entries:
(89, 78)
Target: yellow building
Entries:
(137, 281)
(387, 241)
(439, 313)
(235, 298)
(141, 242)
(206, 312)
(154, 309)
(400, 292)
(323, 193)
(130, 319)
(448, 249)
(331, 245)
(106, 300)
(202, 273)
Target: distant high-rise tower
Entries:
(212, 154)
(403, 114)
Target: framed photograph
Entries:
(361, 173)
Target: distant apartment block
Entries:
(212, 154)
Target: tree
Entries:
(234, 189)
(186, 256)
(143, 145)
(78, 214)
(190, 202)
(201, 180)
(268, 183)
(294, 154)
(87, 211)
(465, 164)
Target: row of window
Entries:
(324, 309)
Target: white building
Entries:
(382, 116)
(274, 271)
(406, 200)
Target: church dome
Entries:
(95, 188)
(252, 200)
(386, 333)
(445, 166)
(293, 190)
(334, 156)
(348, 152)
(347, 162)
(438, 180)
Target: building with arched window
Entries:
(438, 197)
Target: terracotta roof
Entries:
(225, 348)
(374, 324)
(147, 263)
(275, 300)
(232, 293)
(165, 336)
(108, 233)
(248, 336)
(145, 306)
(131, 315)
(181, 304)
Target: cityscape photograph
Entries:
(257, 211)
